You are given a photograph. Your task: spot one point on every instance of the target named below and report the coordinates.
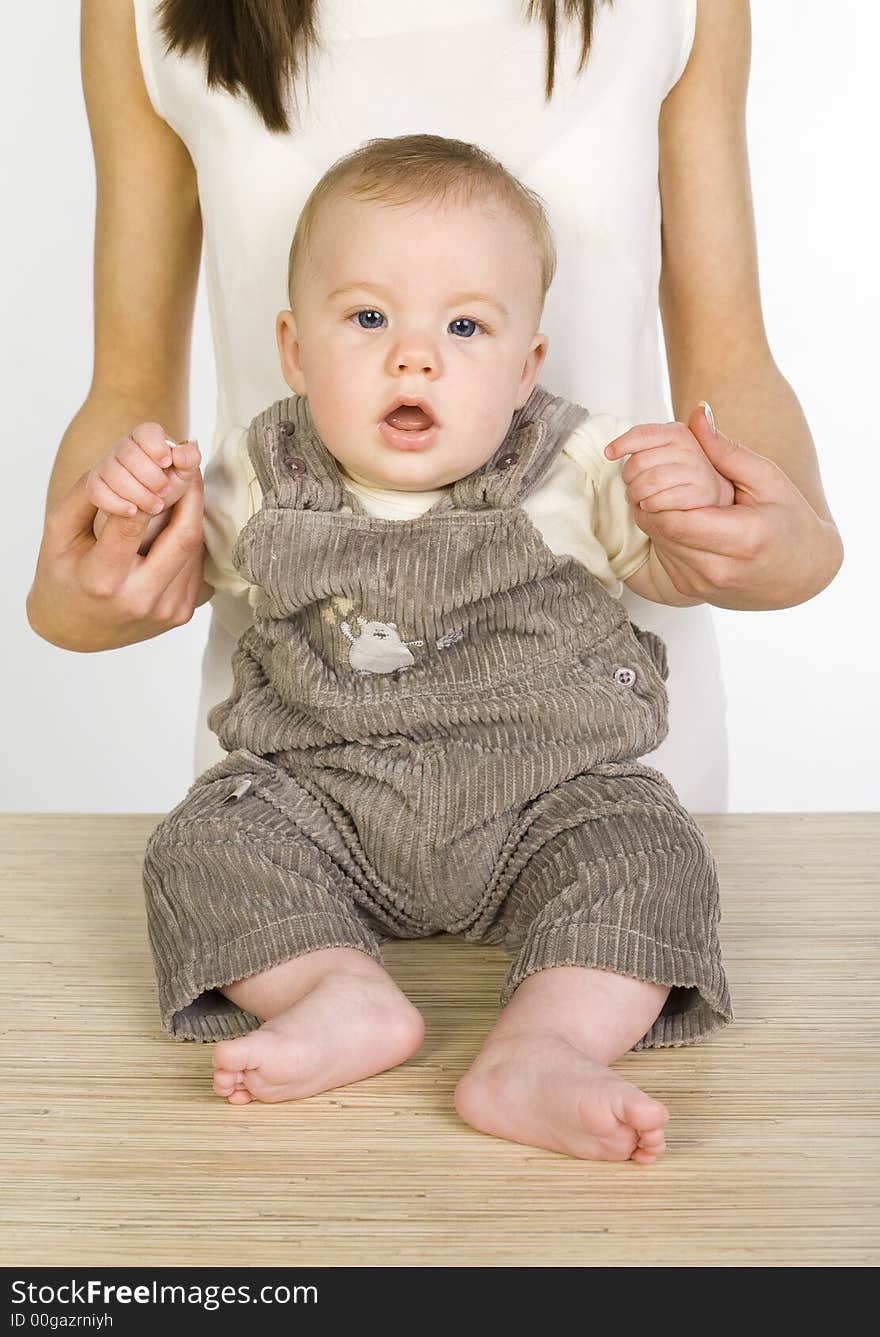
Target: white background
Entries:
(113, 732)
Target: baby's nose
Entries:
(416, 352)
(421, 363)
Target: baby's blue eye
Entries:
(368, 312)
(465, 320)
(376, 325)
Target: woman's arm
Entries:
(716, 343)
(148, 237)
(710, 300)
(95, 596)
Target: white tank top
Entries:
(472, 70)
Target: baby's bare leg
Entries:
(542, 1076)
(330, 1017)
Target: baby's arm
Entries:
(652, 581)
(667, 470)
(145, 471)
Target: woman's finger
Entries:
(71, 518)
(179, 600)
(179, 542)
(186, 455)
(756, 477)
(114, 555)
(187, 459)
(727, 531)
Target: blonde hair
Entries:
(431, 170)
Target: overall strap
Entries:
(537, 433)
(294, 467)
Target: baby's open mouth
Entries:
(409, 418)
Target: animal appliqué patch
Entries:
(378, 648)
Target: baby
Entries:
(439, 709)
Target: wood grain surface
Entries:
(116, 1151)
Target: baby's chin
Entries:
(403, 484)
(414, 472)
(421, 476)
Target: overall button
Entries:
(624, 677)
(507, 460)
(285, 428)
(296, 465)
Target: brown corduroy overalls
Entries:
(435, 726)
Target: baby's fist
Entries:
(143, 472)
(668, 470)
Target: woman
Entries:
(654, 116)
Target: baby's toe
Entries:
(237, 1067)
(237, 1055)
(640, 1111)
(225, 1081)
(651, 1143)
(231, 1085)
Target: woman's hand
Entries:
(769, 549)
(94, 594)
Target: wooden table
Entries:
(116, 1151)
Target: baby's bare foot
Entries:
(538, 1089)
(349, 1026)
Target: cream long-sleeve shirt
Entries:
(579, 507)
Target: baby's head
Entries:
(417, 273)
